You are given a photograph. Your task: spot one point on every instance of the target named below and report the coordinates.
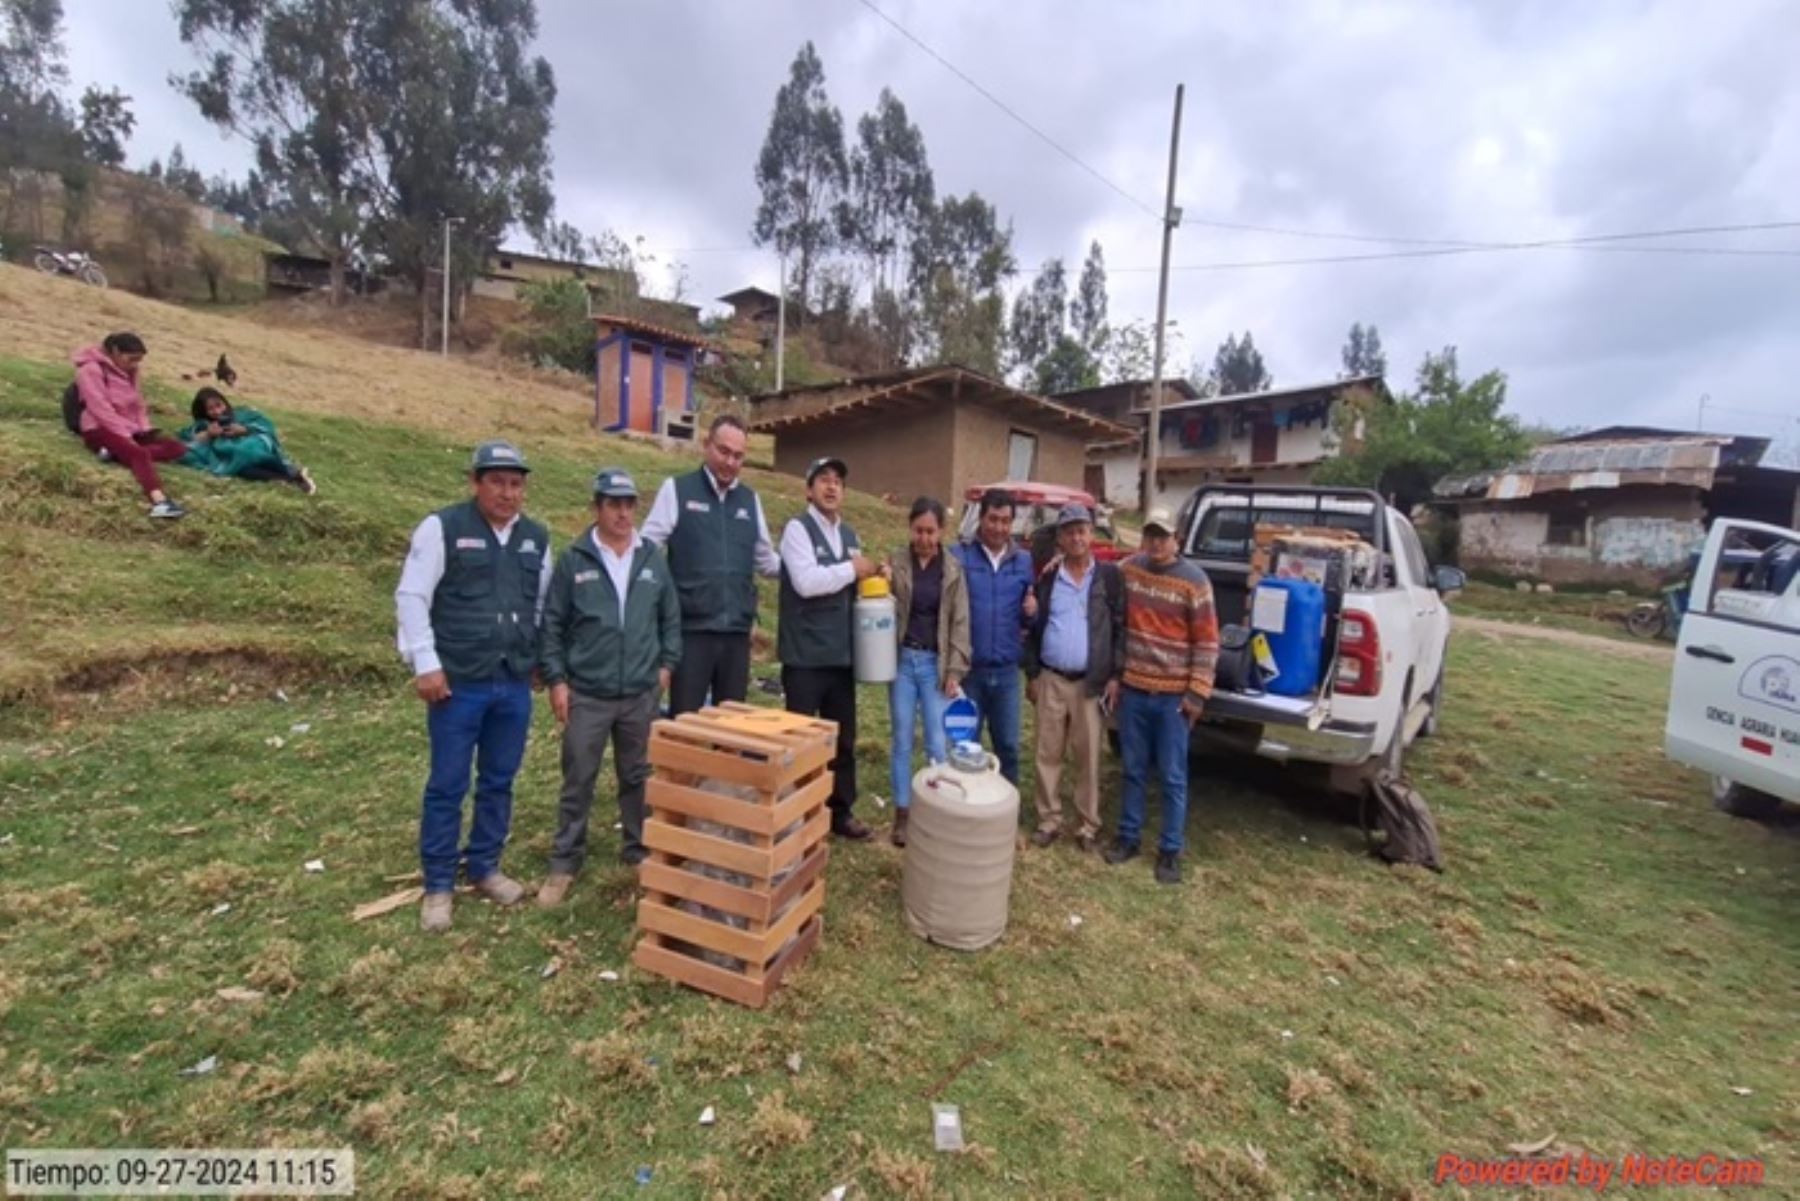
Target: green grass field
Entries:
(1584, 612)
(1607, 962)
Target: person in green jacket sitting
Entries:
(223, 440)
(611, 638)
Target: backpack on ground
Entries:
(1236, 669)
(1403, 816)
(71, 408)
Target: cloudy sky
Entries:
(1409, 119)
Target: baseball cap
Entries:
(821, 463)
(1160, 520)
(1071, 514)
(497, 455)
(614, 481)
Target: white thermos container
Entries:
(877, 646)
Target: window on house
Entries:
(506, 264)
(1567, 529)
(1021, 456)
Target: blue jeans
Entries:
(915, 690)
(484, 720)
(997, 693)
(1152, 730)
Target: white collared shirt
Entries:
(659, 526)
(801, 558)
(618, 567)
(419, 578)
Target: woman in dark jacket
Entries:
(931, 621)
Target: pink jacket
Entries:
(110, 399)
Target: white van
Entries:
(1734, 704)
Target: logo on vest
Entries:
(742, 514)
(528, 547)
(647, 574)
(698, 506)
(586, 577)
(470, 544)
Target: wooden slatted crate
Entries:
(764, 916)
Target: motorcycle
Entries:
(72, 262)
(1659, 619)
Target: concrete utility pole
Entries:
(1700, 425)
(444, 334)
(1171, 218)
(781, 323)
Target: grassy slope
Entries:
(254, 570)
(1606, 960)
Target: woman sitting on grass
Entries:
(240, 442)
(115, 421)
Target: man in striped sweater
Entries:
(1171, 648)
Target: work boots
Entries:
(555, 887)
(499, 889)
(434, 913)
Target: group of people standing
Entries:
(625, 615)
(105, 406)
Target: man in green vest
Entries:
(469, 601)
(821, 564)
(612, 635)
(711, 526)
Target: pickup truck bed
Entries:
(1395, 628)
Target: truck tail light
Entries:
(1359, 655)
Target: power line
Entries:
(1594, 243)
(1439, 245)
(1718, 408)
(1009, 111)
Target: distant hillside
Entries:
(148, 237)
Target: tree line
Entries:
(879, 258)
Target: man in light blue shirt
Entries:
(1074, 657)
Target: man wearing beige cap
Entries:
(1074, 655)
(612, 635)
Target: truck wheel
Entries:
(1435, 699)
(1739, 801)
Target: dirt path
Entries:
(1654, 652)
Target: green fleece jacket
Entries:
(586, 645)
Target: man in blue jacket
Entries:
(1001, 605)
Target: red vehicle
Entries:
(1034, 517)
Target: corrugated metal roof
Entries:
(1578, 465)
(1325, 388)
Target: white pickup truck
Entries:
(1382, 675)
(1734, 703)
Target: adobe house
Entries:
(643, 375)
(752, 304)
(504, 270)
(1275, 437)
(608, 287)
(1615, 507)
(932, 431)
(1114, 473)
